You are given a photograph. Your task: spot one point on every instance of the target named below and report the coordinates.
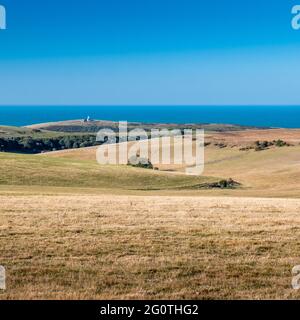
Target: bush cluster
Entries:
(38, 145)
(259, 146)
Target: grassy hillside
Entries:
(276, 168)
(8, 131)
(33, 170)
(272, 172)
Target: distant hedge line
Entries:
(38, 145)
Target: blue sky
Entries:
(150, 52)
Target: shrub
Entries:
(139, 162)
(279, 143)
(259, 146)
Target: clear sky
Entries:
(149, 52)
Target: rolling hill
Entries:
(43, 171)
(271, 172)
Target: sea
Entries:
(259, 116)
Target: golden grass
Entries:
(248, 136)
(128, 247)
(71, 229)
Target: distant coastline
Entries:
(256, 116)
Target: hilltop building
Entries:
(88, 119)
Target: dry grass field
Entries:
(71, 229)
(129, 247)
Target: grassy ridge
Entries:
(96, 125)
(13, 132)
